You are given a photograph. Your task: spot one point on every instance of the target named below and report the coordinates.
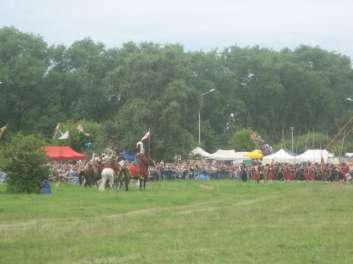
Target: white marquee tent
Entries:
(223, 154)
(280, 156)
(314, 156)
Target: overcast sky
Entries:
(197, 25)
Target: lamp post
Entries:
(201, 98)
(292, 130)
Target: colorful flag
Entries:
(146, 136)
(64, 135)
(56, 130)
(81, 130)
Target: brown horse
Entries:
(123, 176)
(89, 175)
(142, 161)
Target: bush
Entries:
(25, 164)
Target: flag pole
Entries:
(149, 144)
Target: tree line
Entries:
(123, 91)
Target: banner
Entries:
(146, 136)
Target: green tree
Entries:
(93, 133)
(23, 64)
(241, 140)
(25, 164)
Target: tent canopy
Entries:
(63, 153)
(223, 154)
(199, 152)
(313, 156)
(281, 156)
(255, 154)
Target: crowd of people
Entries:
(255, 171)
(207, 169)
(65, 171)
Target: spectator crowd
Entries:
(207, 169)
(255, 171)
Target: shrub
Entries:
(25, 164)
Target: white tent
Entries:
(223, 154)
(313, 156)
(280, 156)
(199, 152)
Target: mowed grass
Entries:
(181, 222)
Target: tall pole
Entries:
(201, 98)
(292, 130)
(200, 126)
(149, 144)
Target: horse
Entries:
(107, 177)
(142, 161)
(123, 176)
(134, 171)
(89, 175)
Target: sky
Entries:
(195, 24)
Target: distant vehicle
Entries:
(2, 177)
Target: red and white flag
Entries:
(146, 136)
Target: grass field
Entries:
(181, 222)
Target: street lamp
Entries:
(201, 98)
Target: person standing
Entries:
(271, 173)
(243, 173)
(255, 174)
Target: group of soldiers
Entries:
(290, 172)
(255, 171)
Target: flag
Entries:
(56, 130)
(80, 129)
(2, 130)
(146, 136)
(64, 135)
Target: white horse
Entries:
(107, 177)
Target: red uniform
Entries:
(345, 173)
(271, 173)
(255, 174)
(309, 173)
(113, 166)
(143, 164)
(288, 174)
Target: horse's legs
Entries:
(140, 182)
(102, 184)
(126, 180)
(126, 184)
(111, 181)
(116, 182)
